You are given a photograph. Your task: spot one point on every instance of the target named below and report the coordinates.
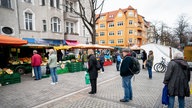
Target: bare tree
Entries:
(182, 30)
(87, 12)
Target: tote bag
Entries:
(87, 78)
(165, 97)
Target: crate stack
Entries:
(7, 79)
(75, 66)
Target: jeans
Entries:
(149, 72)
(54, 74)
(118, 65)
(181, 100)
(101, 63)
(126, 81)
(37, 71)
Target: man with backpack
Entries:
(126, 74)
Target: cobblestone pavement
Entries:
(71, 92)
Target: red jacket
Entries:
(36, 60)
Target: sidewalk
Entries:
(71, 92)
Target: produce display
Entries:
(6, 71)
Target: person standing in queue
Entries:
(144, 58)
(102, 60)
(36, 61)
(126, 75)
(177, 78)
(92, 70)
(53, 66)
(149, 63)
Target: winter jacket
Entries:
(92, 69)
(177, 78)
(125, 65)
(36, 60)
(52, 61)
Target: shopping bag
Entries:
(87, 78)
(165, 96)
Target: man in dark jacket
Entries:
(92, 70)
(177, 78)
(126, 74)
(143, 57)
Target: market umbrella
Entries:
(62, 47)
(8, 40)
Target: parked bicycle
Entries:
(161, 67)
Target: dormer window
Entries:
(120, 15)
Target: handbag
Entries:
(165, 96)
(148, 63)
(87, 78)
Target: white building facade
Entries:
(42, 19)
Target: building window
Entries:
(130, 13)
(120, 15)
(110, 16)
(130, 31)
(28, 1)
(28, 21)
(120, 33)
(102, 41)
(111, 24)
(101, 17)
(67, 27)
(120, 23)
(44, 25)
(66, 6)
(5, 3)
(57, 4)
(43, 2)
(102, 33)
(120, 41)
(111, 42)
(71, 7)
(55, 24)
(130, 22)
(52, 3)
(72, 28)
(111, 33)
(102, 25)
(130, 40)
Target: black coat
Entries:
(125, 65)
(92, 69)
(177, 78)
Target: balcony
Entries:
(71, 16)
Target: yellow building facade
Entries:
(123, 27)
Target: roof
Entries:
(112, 14)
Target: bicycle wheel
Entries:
(155, 67)
(160, 68)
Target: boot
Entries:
(143, 67)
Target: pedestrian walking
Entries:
(126, 75)
(149, 63)
(53, 66)
(92, 70)
(36, 61)
(177, 79)
(118, 60)
(144, 58)
(102, 60)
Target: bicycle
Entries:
(161, 67)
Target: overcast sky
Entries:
(155, 10)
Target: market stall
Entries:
(7, 75)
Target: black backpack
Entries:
(136, 66)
